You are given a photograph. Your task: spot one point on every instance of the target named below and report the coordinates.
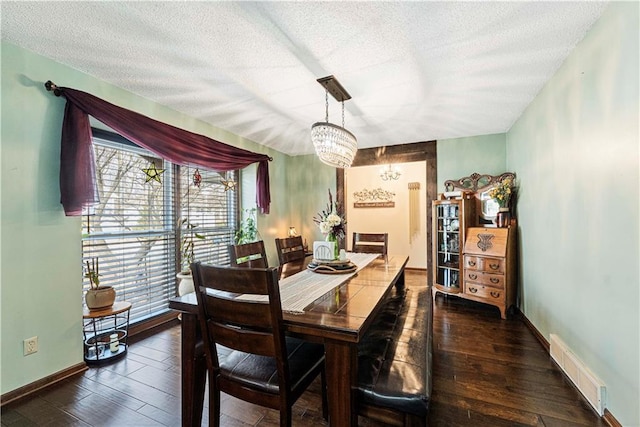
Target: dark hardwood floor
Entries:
(486, 372)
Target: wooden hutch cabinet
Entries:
(473, 258)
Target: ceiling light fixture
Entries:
(390, 174)
(335, 146)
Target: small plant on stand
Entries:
(93, 273)
(97, 297)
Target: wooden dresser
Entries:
(490, 267)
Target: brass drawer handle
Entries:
(472, 263)
(495, 294)
(494, 280)
(473, 276)
(494, 266)
(473, 290)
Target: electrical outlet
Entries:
(30, 345)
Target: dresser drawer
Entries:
(482, 291)
(495, 280)
(472, 262)
(491, 265)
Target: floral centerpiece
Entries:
(501, 193)
(331, 223)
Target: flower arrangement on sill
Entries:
(502, 192)
(93, 273)
(331, 221)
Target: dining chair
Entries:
(251, 255)
(290, 249)
(265, 367)
(374, 243)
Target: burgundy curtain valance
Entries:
(78, 187)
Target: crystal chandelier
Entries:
(335, 146)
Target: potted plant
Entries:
(248, 231)
(186, 255)
(97, 297)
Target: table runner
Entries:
(303, 288)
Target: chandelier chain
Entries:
(343, 113)
(326, 105)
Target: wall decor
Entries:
(153, 173)
(376, 198)
(414, 210)
(229, 185)
(197, 178)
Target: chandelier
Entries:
(335, 146)
(390, 174)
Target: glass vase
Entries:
(333, 238)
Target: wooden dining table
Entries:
(338, 319)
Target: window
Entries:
(135, 232)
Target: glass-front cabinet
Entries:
(451, 217)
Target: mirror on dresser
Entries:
(480, 185)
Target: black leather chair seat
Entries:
(394, 357)
(261, 373)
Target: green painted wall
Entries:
(460, 157)
(576, 151)
(40, 248)
(299, 187)
(309, 181)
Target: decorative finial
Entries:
(51, 86)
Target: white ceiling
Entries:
(417, 71)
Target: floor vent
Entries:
(589, 385)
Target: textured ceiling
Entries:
(416, 71)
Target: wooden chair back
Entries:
(290, 249)
(253, 329)
(249, 255)
(373, 243)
